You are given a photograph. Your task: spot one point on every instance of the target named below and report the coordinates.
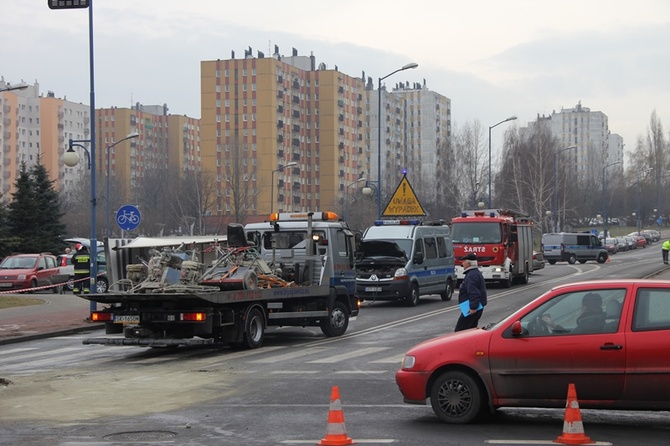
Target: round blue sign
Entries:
(128, 217)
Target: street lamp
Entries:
(604, 210)
(638, 220)
(409, 66)
(272, 185)
(346, 191)
(511, 118)
(12, 88)
(109, 149)
(555, 213)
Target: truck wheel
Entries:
(507, 283)
(523, 279)
(254, 329)
(448, 291)
(455, 397)
(572, 259)
(413, 299)
(602, 257)
(337, 322)
(552, 262)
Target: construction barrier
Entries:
(573, 429)
(336, 432)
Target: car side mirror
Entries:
(517, 328)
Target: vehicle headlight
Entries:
(497, 269)
(400, 272)
(21, 277)
(408, 362)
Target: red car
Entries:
(21, 271)
(609, 338)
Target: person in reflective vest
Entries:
(82, 270)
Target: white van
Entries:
(405, 259)
(573, 247)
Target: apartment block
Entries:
(291, 131)
(33, 125)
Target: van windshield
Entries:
(476, 232)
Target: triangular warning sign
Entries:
(404, 203)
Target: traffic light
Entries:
(67, 4)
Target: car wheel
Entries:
(69, 286)
(413, 299)
(455, 397)
(448, 291)
(602, 257)
(33, 284)
(101, 285)
(572, 259)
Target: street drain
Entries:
(140, 436)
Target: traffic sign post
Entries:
(404, 202)
(128, 217)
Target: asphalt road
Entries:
(64, 393)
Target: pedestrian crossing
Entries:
(352, 357)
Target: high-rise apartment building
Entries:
(32, 126)
(282, 131)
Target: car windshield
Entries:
(476, 232)
(18, 262)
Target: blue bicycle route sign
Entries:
(128, 217)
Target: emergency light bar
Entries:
(413, 222)
(303, 216)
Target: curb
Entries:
(50, 334)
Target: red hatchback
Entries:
(23, 271)
(609, 338)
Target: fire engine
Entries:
(502, 241)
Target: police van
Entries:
(405, 259)
(573, 247)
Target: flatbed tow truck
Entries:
(298, 270)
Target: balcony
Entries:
(280, 138)
(296, 185)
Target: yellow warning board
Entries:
(404, 203)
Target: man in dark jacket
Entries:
(473, 291)
(81, 261)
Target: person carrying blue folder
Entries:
(471, 295)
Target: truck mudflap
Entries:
(147, 342)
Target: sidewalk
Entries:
(60, 314)
(63, 314)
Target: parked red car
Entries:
(609, 338)
(23, 271)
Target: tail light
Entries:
(98, 316)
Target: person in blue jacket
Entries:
(472, 290)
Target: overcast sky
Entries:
(492, 58)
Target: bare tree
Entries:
(196, 201)
(240, 192)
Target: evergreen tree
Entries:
(8, 243)
(22, 212)
(48, 213)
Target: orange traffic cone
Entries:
(336, 432)
(573, 429)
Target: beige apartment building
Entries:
(292, 131)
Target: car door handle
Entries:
(611, 347)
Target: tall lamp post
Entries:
(109, 149)
(638, 222)
(346, 190)
(604, 204)
(409, 66)
(555, 207)
(511, 118)
(272, 184)
(61, 4)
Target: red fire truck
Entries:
(502, 240)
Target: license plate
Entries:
(123, 319)
(5, 285)
(373, 289)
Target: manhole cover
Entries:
(140, 436)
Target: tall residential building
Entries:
(32, 126)
(283, 131)
(589, 132)
(415, 126)
(166, 142)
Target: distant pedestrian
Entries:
(473, 291)
(82, 269)
(68, 250)
(665, 247)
